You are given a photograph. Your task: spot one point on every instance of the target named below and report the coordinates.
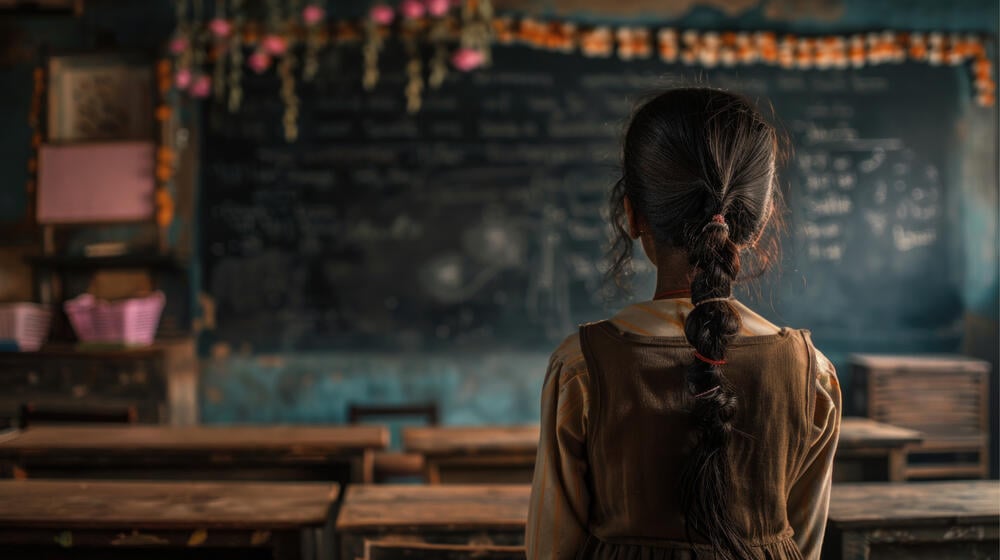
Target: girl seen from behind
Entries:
(688, 426)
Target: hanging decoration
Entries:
(313, 16)
(235, 39)
(166, 154)
(376, 29)
(35, 116)
(460, 32)
(413, 27)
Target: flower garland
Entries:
(166, 155)
(460, 32)
(35, 121)
(711, 48)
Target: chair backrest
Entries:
(33, 414)
(395, 415)
(375, 550)
(427, 411)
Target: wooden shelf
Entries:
(71, 349)
(73, 262)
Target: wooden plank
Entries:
(885, 505)
(145, 440)
(375, 550)
(437, 441)
(452, 514)
(72, 505)
(858, 432)
(950, 469)
(921, 362)
(453, 507)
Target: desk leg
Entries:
(432, 472)
(368, 467)
(897, 465)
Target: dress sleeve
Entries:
(809, 498)
(558, 511)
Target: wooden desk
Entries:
(493, 454)
(375, 550)
(339, 454)
(945, 397)
(104, 519)
(863, 441)
(481, 454)
(442, 514)
(160, 381)
(930, 520)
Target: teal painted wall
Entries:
(499, 388)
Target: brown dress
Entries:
(616, 434)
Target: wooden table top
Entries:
(856, 432)
(884, 504)
(471, 440)
(946, 362)
(58, 504)
(456, 507)
(147, 439)
(439, 441)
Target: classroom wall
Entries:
(497, 388)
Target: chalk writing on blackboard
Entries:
(481, 221)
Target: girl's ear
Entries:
(634, 231)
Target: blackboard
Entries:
(479, 222)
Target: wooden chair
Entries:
(394, 464)
(375, 550)
(32, 414)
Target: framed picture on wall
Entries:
(99, 97)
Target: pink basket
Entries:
(131, 321)
(25, 323)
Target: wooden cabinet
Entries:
(160, 381)
(943, 397)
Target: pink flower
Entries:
(178, 45)
(201, 87)
(220, 27)
(274, 44)
(259, 61)
(182, 79)
(467, 59)
(382, 14)
(313, 14)
(438, 8)
(412, 9)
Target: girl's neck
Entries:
(673, 274)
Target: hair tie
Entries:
(708, 361)
(717, 220)
(711, 299)
(711, 391)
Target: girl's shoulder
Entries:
(569, 354)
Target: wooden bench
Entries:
(115, 519)
(480, 454)
(872, 451)
(375, 550)
(341, 454)
(441, 514)
(925, 520)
